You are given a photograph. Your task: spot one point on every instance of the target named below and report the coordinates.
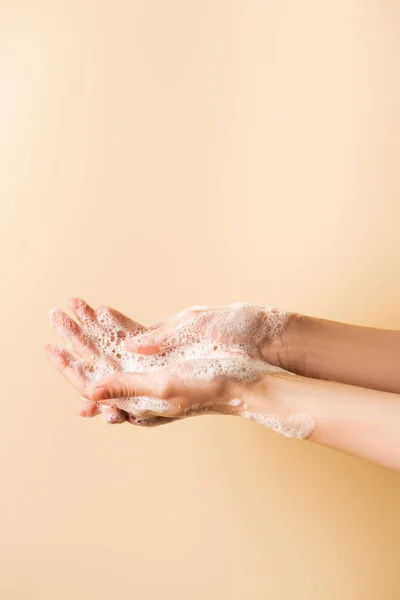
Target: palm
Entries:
(97, 339)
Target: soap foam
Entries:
(235, 402)
(194, 341)
(240, 368)
(298, 426)
(141, 405)
(244, 326)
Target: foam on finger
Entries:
(208, 343)
(195, 341)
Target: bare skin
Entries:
(362, 422)
(84, 351)
(318, 348)
(362, 356)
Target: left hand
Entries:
(96, 339)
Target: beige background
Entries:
(160, 153)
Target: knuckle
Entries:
(125, 388)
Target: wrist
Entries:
(263, 394)
(285, 350)
(270, 393)
(277, 402)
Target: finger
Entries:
(86, 316)
(69, 367)
(83, 312)
(89, 409)
(73, 334)
(151, 342)
(162, 322)
(108, 366)
(144, 393)
(150, 421)
(110, 318)
(158, 324)
(111, 415)
(145, 406)
(185, 329)
(190, 309)
(123, 385)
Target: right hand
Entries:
(241, 326)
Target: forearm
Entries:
(349, 354)
(363, 423)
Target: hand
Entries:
(235, 384)
(223, 383)
(186, 388)
(239, 326)
(97, 341)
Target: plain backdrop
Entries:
(161, 153)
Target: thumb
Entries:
(122, 385)
(136, 393)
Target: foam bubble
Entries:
(243, 326)
(111, 415)
(298, 426)
(240, 367)
(235, 402)
(209, 337)
(144, 404)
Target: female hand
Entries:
(220, 383)
(201, 361)
(97, 340)
(235, 384)
(240, 326)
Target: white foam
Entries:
(246, 327)
(235, 402)
(109, 414)
(240, 368)
(141, 405)
(240, 330)
(298, 426)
